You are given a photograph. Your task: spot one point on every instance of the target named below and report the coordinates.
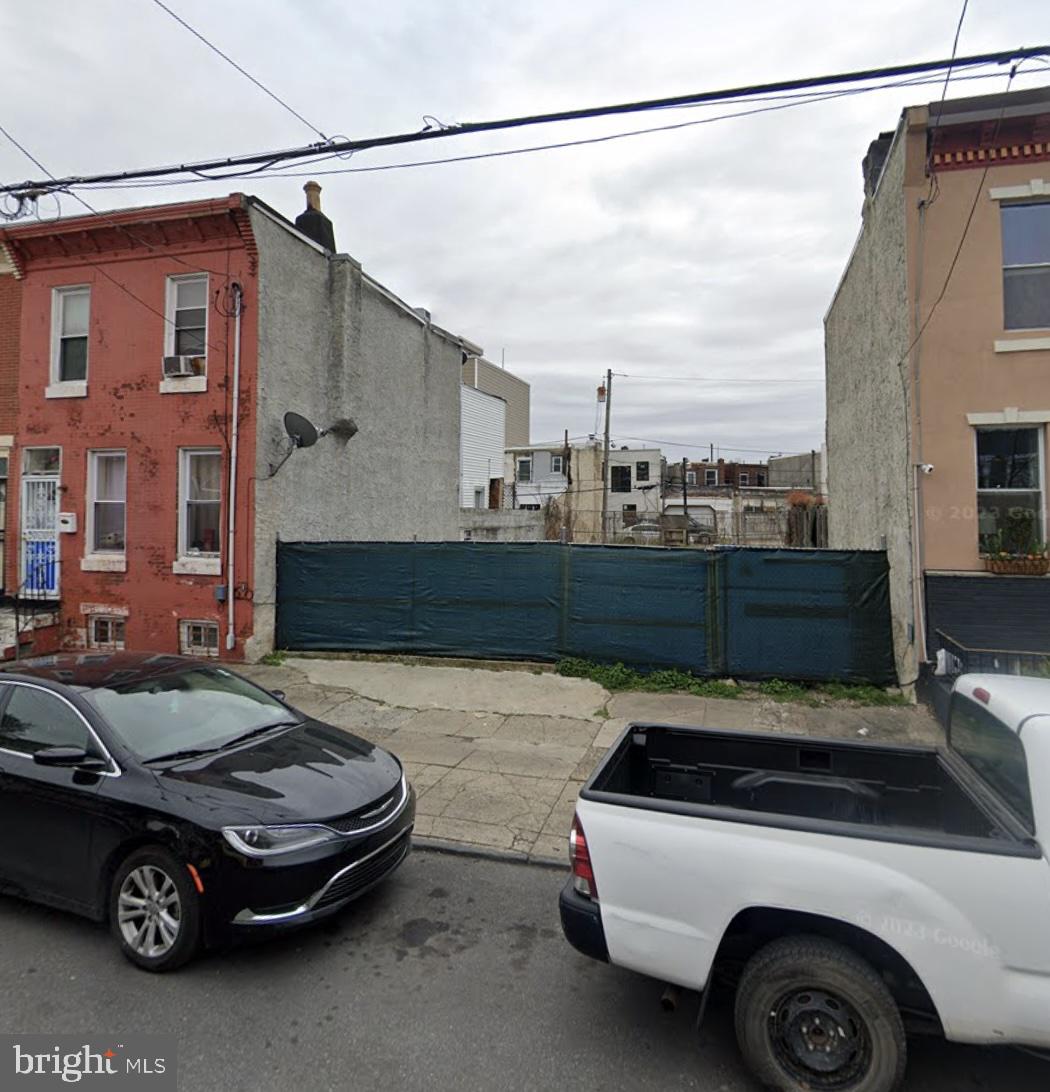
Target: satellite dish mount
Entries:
(303, 433)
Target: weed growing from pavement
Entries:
(273, 659)
(620, 677)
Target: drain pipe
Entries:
(231, 516)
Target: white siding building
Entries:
(482, 439)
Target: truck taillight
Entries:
(580, 859)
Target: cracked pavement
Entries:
(498, 754)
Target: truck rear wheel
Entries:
(810, 1014)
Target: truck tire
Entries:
(811, 1014)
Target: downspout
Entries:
(231, 519)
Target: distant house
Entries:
(485, 376)
(157, 351)
(536, 474)
(634, 477)
(482, 442)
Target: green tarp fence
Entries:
(743, 612)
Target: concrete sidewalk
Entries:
(498, 756)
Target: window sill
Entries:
(198, 566)
(70, 388)
(104, 563)
(1022, 344)
(183, 384)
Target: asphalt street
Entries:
(454, 975)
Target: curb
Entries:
(486, 853)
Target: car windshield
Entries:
(201, 709)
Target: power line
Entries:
(247, 75)
(799, 101)
(710, 379)
(721, 447)
(431, 133)
(934, 187)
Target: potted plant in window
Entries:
(1014, 551)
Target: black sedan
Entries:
(183, 803)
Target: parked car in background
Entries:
(849, 891)
(182, 803)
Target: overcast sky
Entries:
(710, 252)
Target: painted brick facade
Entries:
(126, 260)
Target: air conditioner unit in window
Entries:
(176, 366)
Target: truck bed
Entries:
(869, 790)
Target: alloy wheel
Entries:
(149, 911)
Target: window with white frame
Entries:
(641, 472)
(743, 478)
(186, 328)
(1026, 265)
(199, 638)
(200, 501)
(557, 464)
(690, 477)
(524, 473)
(710, 477)
(479, 497)
(107, 497)
(70, 311)
(105, 631)
(1010, 505)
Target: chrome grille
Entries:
(370, 815)
(354, 881)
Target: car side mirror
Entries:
(68, 757)
(278, 694)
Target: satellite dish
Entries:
(301, 431)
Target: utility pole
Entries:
(566, 519)
(685, 499)
(605, 458)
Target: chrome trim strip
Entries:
(375, 826)
(249, 917)
(114, 771)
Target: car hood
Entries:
(303, 774)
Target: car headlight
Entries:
(266, 841)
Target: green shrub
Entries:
(621, 677)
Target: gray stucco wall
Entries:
(866, 333)
(502, 525)
(333, 344)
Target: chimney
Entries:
(313, 223)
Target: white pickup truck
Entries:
(848, 890)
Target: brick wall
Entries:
(10, 309)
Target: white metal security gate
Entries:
(40, 536)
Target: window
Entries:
(620, 479)
(107, 489)
(200, 495)
(760, 478)
(630, 507)
(710, 477)
(105, 631)
(690, 477)
(994, 752)
(69, 334)
(479, 497)
(641, 472)
(199, 638)
(1026, 266)
(525, 469)
(42, 461)
(743, 478)
(1009, 490)
(186, 327)
(557, 464)
(34, 719)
